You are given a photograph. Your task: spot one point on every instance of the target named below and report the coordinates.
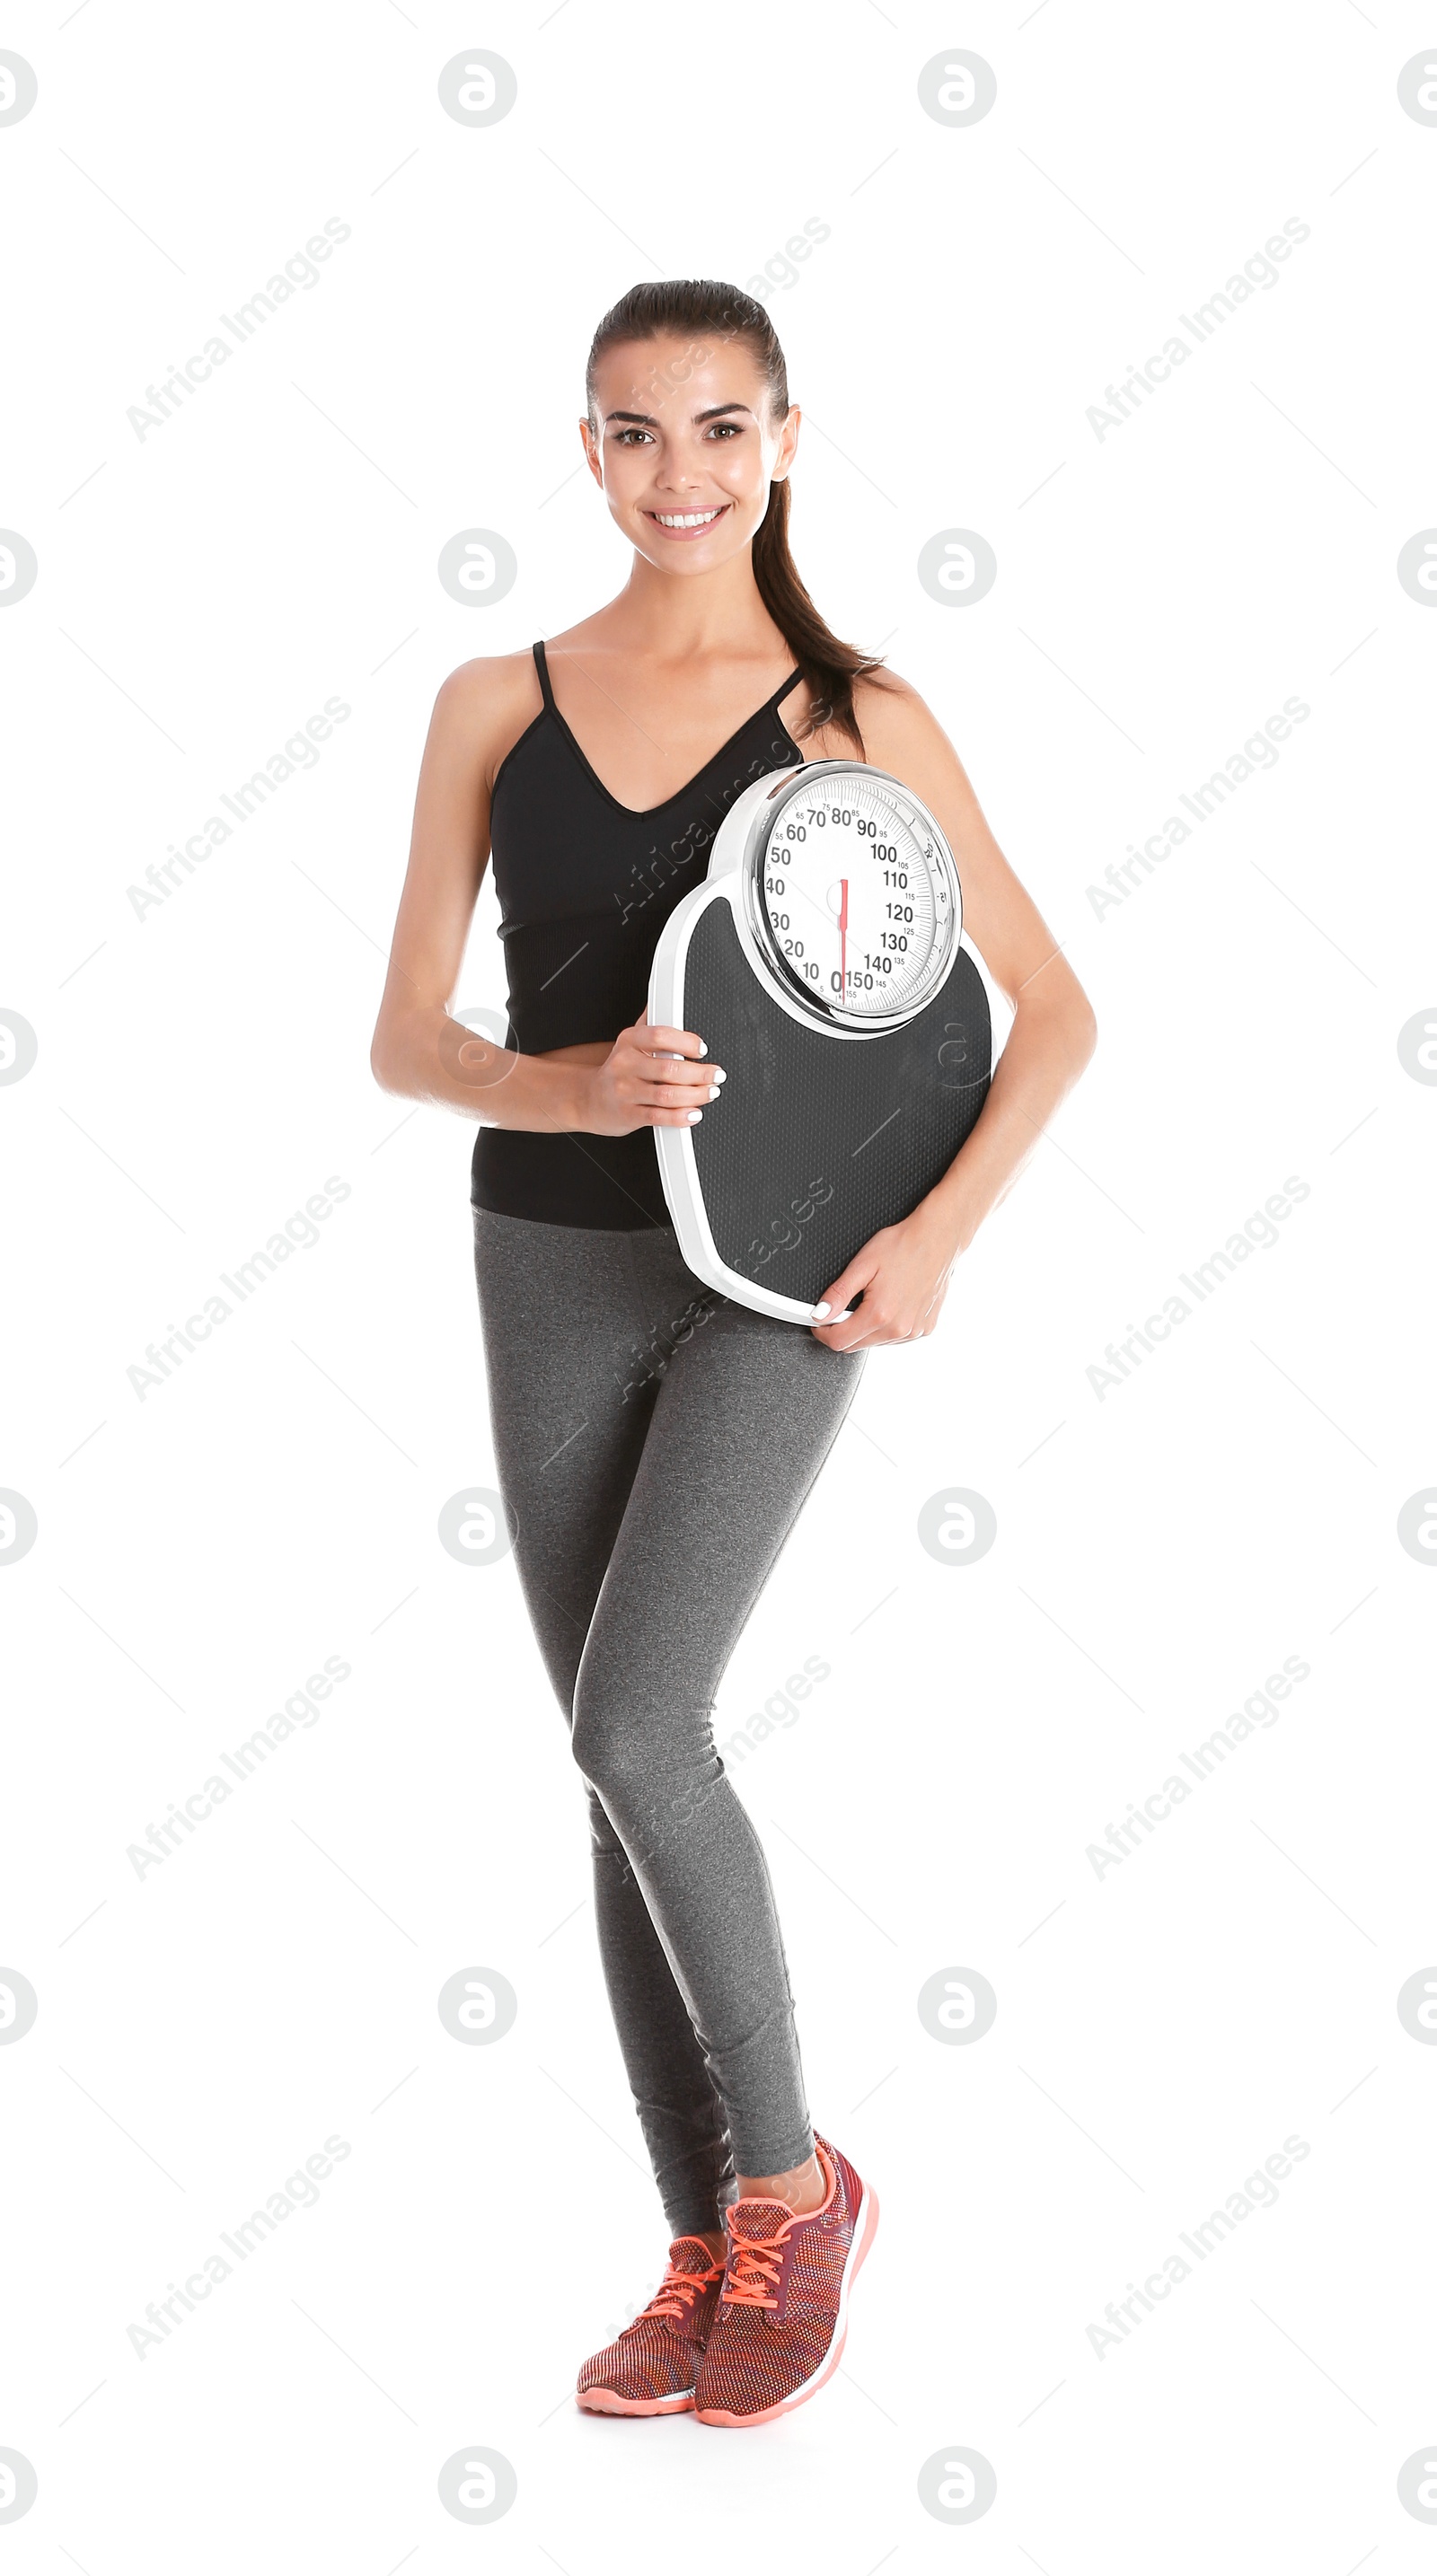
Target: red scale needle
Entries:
(843, 942)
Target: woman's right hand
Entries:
(638, 1085)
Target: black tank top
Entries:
(585, 886)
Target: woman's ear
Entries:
(591, 451)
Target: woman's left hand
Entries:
(903, 1271)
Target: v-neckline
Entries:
(645, 813)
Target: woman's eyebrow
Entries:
(648, 420)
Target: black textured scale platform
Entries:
(815, 1141)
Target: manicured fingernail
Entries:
(713, 1095)
(823, 1309)
(719, 1074)
(703, 1049)
(694, 1116)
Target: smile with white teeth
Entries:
(686, 518)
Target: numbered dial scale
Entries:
(824, 963)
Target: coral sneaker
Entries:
(783, 2314)
(650, 2369)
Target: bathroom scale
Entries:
(823, 960)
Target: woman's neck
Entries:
(669, 617)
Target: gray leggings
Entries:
(655, 1444)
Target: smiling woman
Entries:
(649, 1517)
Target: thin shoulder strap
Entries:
(791, 682)
(542, 666)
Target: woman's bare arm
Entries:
(1054, 1031)
(422, 1053)
(903, 1272)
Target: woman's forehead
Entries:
(684, 373)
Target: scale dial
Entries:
(852, 894)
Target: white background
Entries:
(1161, 1549)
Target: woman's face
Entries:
(686, 447)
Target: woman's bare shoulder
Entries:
(883, 698)
(897, 723)
(485, 705)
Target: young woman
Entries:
(655, 1442)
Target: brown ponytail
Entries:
(705, 309)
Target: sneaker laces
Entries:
(678, 2290)
(754, 2268)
